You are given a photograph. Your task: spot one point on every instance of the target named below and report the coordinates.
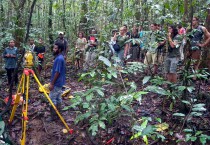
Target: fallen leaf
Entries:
(70, 97)
(162, 127)
(126, 79)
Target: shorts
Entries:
(55, 95)
(196, 54)
(170, 65)
(150, 58)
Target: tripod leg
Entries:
(18, 94)
(48, 98)
(25, 113)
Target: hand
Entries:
(161, 43)
(116, 34)
(51, 87)
(200, 45)
(125, 55)
(7, 55)
(11, 55)
(169, 35)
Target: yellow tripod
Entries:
(23, 89)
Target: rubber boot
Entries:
(53, 115)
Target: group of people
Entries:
(125, 45)
(149, 46)
(86, 50)
(57, 80)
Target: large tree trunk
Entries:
(29, 20)
(50, 29)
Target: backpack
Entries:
(116, 46)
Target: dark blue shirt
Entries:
(59, 66)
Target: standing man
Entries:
(40, 50)
(128, 34)
(57, 79)
(198, 32)
(61, 39)
(155, 40)
(10, 56)
(31, 44)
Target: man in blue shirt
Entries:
(57, 79)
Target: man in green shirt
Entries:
(155, 39)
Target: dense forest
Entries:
(110, 102)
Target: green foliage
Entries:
(195, 111)
(146, 130)
(98, 109)
(175, 92)
(4, 138)
(193, 136)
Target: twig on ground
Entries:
(45, 127)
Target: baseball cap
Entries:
(62, 33)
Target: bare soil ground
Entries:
(41, 132)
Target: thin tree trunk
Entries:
(207, 25)
(83, 20)
(29, 20)
(185, 16)
(164, 13)
(191, 12)
(50, 29)
(64, 15)
(121, 12)
(19, 32)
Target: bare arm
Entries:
(115, 37)
(54, 80)
(207, 37)
(126, 50)
(171, 43)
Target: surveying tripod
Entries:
(23, 90)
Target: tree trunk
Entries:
(138, 13)
(207, 25)
(19, 32)
(83, 20)
(121, 11)
(50, 29)
(185, 16)
(29, 20)
(2, 15)
(64, 15)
